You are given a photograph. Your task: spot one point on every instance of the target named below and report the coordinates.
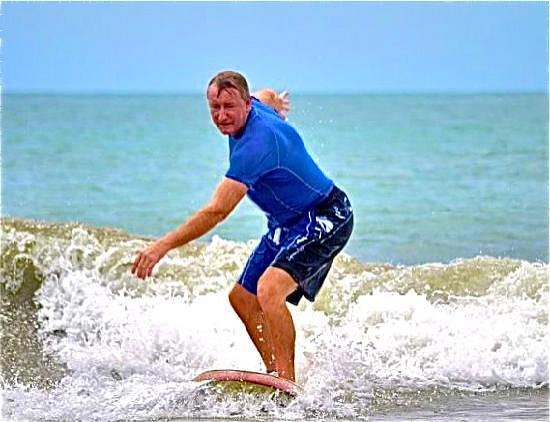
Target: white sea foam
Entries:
(132, 347)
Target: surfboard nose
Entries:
(249, 377)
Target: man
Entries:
(309, 218)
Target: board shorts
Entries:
(305, 249)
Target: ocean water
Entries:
(437, 310)
(431, 178)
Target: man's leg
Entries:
(249, 311)
(273, 288)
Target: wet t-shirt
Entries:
(270, 158)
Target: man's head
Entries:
(229, 101)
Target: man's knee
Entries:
(236, 297)
(242, 301)
(267, 294)
(273, 288)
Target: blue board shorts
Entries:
(304, 249)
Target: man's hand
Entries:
(148, 258)
(280, 102)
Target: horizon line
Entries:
(297, 92)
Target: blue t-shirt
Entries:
(270, 158)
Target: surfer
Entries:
(309, 219)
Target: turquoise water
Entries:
(442, 316)
(432, 178)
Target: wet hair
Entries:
(230, 79)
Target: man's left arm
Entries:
(279, 102)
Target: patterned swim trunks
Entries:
(304, 249)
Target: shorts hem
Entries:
(240, 282)
(297, 294)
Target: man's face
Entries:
(227, 109)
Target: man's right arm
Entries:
(224, 200)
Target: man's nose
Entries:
(221, 114)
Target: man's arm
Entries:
(224, 200)
(279, 102)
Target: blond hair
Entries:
(231, 79)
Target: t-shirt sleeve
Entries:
(253, 159)
(266, 108)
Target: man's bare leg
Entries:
(249, 311)
(273, 288)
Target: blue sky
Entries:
(305, 47)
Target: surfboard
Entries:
(252, 378)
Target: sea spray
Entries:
(378, 336)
